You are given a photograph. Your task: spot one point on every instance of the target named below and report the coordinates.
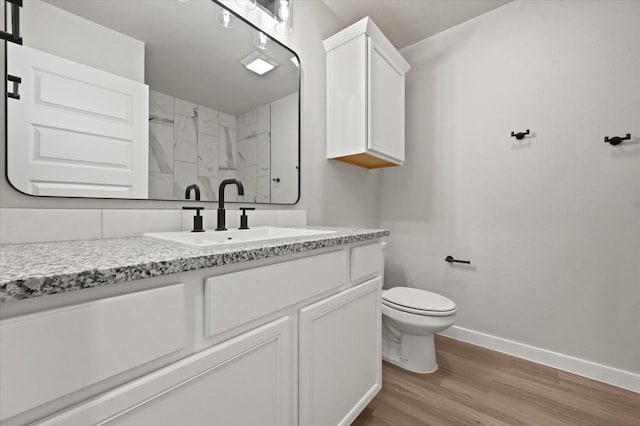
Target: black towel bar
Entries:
(450, 259)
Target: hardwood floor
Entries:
(474, 385)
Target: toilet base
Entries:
(413, 353)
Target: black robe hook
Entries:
(520, 135)
(616, 140)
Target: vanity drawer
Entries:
(237, 298)
(50, 354)
(366, 261)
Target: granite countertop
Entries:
(37, 269)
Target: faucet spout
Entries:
(187, 194)
(221, 210)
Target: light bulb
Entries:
(246, 5)
(260, 40)
(225, 18)
(284, 16)
(283, 10)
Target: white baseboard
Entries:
(581, 367)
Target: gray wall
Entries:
(53, 30)
(552, 223)
(333, 193)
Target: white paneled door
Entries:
(76, 130)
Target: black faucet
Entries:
(188, 192)
(197, 219)
(221, 212)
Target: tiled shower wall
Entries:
(254, 153)
(190, 143)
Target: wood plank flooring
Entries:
(477, 386)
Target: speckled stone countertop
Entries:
(36, 269)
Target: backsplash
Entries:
(41, 225)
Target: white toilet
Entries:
(410, 317)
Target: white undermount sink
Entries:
(231, 238)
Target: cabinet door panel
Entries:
(367, 261)
(238, 298)
(346, 98)
(386, 105)
(340, 360)
(49, 354)
(244, 381)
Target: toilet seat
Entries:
(419, 302)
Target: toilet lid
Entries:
(416, 299)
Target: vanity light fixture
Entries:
(259, 63)
(284, 17)
(225, 18)
(246, 5)
(260, 40)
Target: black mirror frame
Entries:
(219, 4)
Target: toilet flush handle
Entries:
(450, 259)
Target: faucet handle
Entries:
(244, 219)
(193, 208)
(197, 219)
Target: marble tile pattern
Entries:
(228, 148)
(184, 108)
(220, 145)
(208, 121)
(263, 189)
(184, 148)
(32, 270)
(207, 155)
(231, 192)
(185, 139)
(160, 106)
(185, 174)
(160, 147)
(161, 186)
(254, 153)
(208, 188)
(250, 186)
(263, 154)
(263, 119)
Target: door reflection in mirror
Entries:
(141, 99)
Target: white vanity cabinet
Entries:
(291, 340)
(46, 355)
(365, 97)
(340, 369)
(244, 381)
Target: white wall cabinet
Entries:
(365, 97)
(289, 341)
(340, 369)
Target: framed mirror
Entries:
(140, 99)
